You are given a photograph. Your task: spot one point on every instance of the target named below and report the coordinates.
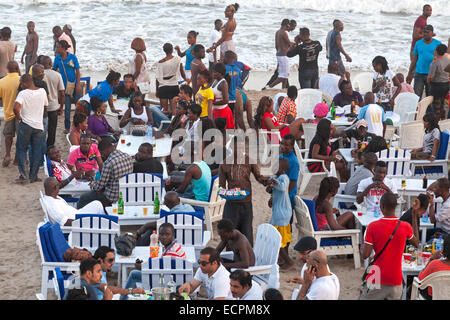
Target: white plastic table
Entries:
(143, 253)
(132, 144)
(75, 187)
(134, 215)
(413, 188)
(344, 121)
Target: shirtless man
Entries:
(235, 241)
(31, 47)
(226, 41)
(282, 45)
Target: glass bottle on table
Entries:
(352, 107)
(333, 111)
(120, 204)
(156, 204)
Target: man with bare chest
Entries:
(31, 47)
(233, 240)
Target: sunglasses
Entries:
(110, 260)
(203, 263)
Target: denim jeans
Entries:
(307, 78)
(135, 276)
(158, 116)
(26, 136)
(420, 82)
(43, 147)
(67, 108)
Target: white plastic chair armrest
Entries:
(258, 269)
(206, 238)
(193, 202)
(343, 197)
(227, 255)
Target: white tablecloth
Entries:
(163, 145)
(344, 121)
(134, 215)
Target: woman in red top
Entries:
(264, 119)
(436, 265)
(325, 213)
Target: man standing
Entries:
(31, 47)
(233, 240)
(287, 151)
(214, 56)
(212, 274)
(67, 29)
(8, 92)
(7, 50)
(421, 22)
(56, 98)
(336, 47)
(282, 45)
(116, 165)
(308, 54)
(29, 110)
(384, 281)
(422, 58)
(318, 282)
(243, 287)
(59, 35)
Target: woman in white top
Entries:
(430, 148)
(220, 89)
(137, 113)
(137, 66)
(191, 126)
(167, 74)
(383, 82)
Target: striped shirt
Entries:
(287, 107)
(174, 250)
(115, 167)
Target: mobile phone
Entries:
(314, 268)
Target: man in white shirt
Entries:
(243, 287)
(216, 34)
(330, 82)
(29, 110)
(374, 187)
(59, 211)
(374, 115)
(442, 217)
(212, 275)
(318, 283)
(56, 98)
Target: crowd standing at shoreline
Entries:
(213, 96)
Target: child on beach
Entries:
(282, 211)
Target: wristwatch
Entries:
(130, 290)
(433, 156)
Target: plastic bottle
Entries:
(149, 131)
(154, 246)
(439, 244)
(376, 210)
(156, 205)
(120, 204)
(424, 182)
(172, 285)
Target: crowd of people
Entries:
(213, 97)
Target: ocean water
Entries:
(104, 29)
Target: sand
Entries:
(20, 270)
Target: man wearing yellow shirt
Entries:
(8, 92)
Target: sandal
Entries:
(20, 181)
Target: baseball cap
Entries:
(320, 110)
(361, 123)
(306, 243)
(428, 27)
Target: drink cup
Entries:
(122, 141)
(426, 257)
(145, 211)
(407, 258)
(115, 208)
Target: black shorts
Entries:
(439, 89)
(168, 92)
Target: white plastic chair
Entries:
(438, 281)
(188, 230)
(302, 157)
(306, 101)
(422, 107)
(268, 141)
(305, 228)
(140, 188)
(152, 271)
(67, 138)
(362, 82)
(444, 124)
(309, 130)
(390, 135)
(325, 96)
(92, 232)
(405, 105)
(341, 197)
(411, 135)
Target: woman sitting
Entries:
(60, 170)
(264, 119)
(320, 111)
(325, 213)
(431, 139)
(347, 95)
(86, 158)
(321, 150)
(80, 125)
(97, 123)
(137, 113)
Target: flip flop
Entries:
(36, 180)
(20, 181)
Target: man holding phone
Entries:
(325, 285)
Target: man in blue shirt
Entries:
(422, 58)
(287, 152)
(234, 73)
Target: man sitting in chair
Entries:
(145, 162)
(59, 210)
(235, 241)
(243, 287)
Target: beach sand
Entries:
(20, 270)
